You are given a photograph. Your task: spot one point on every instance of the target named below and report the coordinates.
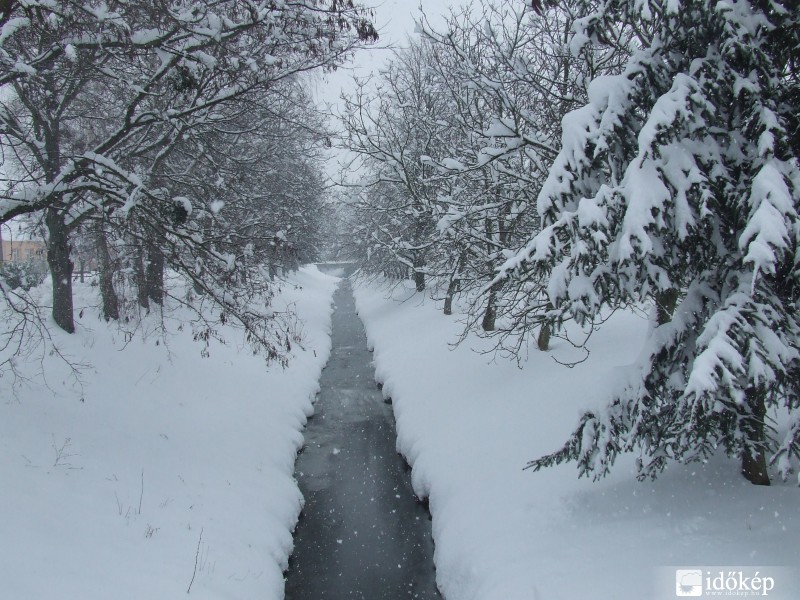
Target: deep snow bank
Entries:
(161, 466)
(468, 428)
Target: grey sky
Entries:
(395, 21)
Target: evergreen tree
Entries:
(679, 183)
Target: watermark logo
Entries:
(704, 581)
(689, 582)
(712, 582)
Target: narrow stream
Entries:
(362, 533)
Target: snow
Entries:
(161, 465)
(645, 195)
(204, 57)
(185, 203)
(766, 230)
(25, 68)
(468, 426)
(718, 361)
(11, 27)
(501, 128)
(451, 164)
(144, 37)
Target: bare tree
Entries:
(100, 103)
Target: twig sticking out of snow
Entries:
(196, 558)
(141, 493)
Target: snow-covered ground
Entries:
(164, 469)
(468, 428)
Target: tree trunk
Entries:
(419, 275)
(490, 314)
(60, 269)
(448, 300)
(665, 305)
(419, 281)
(754, 460)
(109, 296)
(139, 277)
(154, 274)
(543, 340)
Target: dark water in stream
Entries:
(362, 533)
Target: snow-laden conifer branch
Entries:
(680, 177)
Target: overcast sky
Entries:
(395, 20)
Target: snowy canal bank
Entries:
(161, 471)
(160, 468)
(468, 427)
